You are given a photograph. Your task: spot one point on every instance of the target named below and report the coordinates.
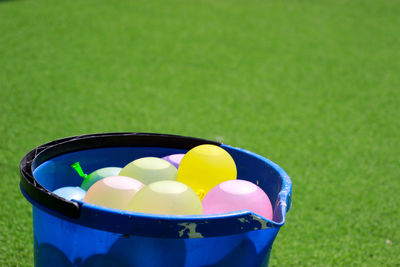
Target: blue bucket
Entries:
(73, 233)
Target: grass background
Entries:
(312, 85)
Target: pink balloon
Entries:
(234, 195)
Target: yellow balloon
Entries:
(206, 166)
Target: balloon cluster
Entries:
(202, 181)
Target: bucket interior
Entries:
(56, 172)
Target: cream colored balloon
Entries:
(166, 197)
(113, 192)
(149, 170)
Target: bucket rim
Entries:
(73, 210)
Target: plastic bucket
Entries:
(71, 233)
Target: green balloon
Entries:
(98, 175)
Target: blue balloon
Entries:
(71, 192)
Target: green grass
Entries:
(312, 85)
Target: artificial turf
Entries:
(312, 85)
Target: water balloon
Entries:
(149, 170)
(166, 197)
(206, 166)
(71, 192)
(174, 159)
(113, 192)
(237, 195)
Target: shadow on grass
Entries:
(4, 1)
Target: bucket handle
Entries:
(75, 143)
